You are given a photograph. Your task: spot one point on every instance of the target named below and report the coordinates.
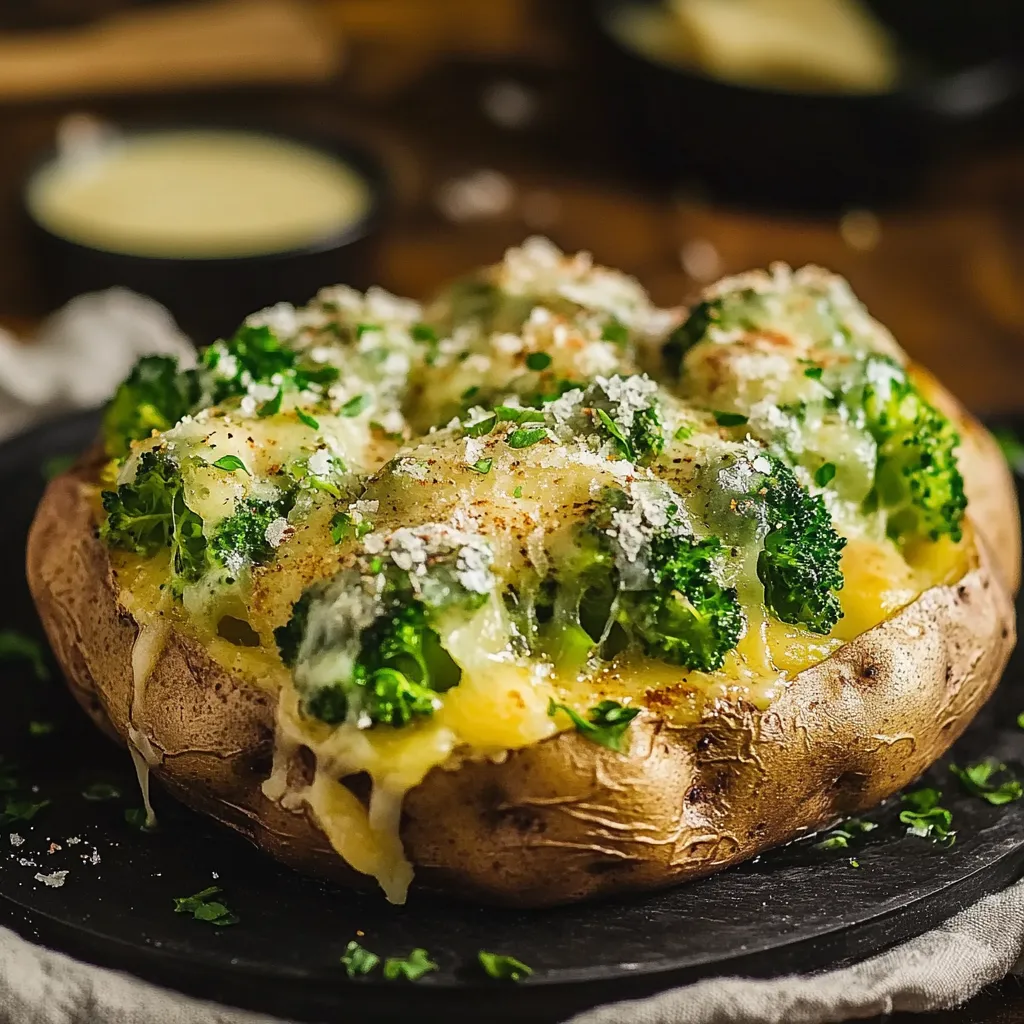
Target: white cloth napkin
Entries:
(77, 359)
(80, 355)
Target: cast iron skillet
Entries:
(961, 84)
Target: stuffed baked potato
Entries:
(539, 591)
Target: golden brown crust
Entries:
(565, 819)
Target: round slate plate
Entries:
(797, 908)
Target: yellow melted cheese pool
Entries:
(199, 195)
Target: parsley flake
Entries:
(616, 431)
(231, 464)
(730, 419)
(607, 723)
(100, 792)
(925, 818)
(482, 466)
(358, 960)
(503, 968)
(518, 493)
(412, 967)
(980, 780)
(203, 908)
(825, 474)
(615, 331)
(271, 407)
(814, 372)
(523, 438)
(481, 427)
(310, 422)
(15, 646)
(21, 810)
(354, 406)
(683, 433)
(40, 728)
(538, 361)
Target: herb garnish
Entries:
(203, 908)
(814, 372)
(839, 838)
(979, 780)
(272, 407)
(730, 419)
(342, 526)
(538, 361)
(482, 466)
(101, 791)
(231, 464)
(617, 433)
(503, 968)
(607, 724)
(310, 421)
(925, 818)
(523, 438)
(412, 967)
(825, 474)
(21, 810)
(518, 493)
(358, 960)
(138, 818)
(615, 331)
(683, 432)
(14, 645)
(40, 728)
(354, 406)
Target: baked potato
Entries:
(539, 592)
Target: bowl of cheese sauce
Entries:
(211, 222)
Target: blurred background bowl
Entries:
(212, 287)
(958, 80)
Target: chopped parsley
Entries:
(514, 414)
(18, 646)
(525, 438)
(272, 407)
(471, 392)
(925, 818)
(814, 372)
(137, 818)
(231, 464)
(482, 466)
(518, 493)
(310, 422)
(412, 967)
(606, 724)
(683, 432)
(21, 810)
(354, 406)
(56, 465)
(481, 427)
(203, 907)
(99, 792)
(358, 960)
(342, 526)
(825, 474)
(730, 419)
(616, 432)
(837, 839)
(615, 331)
(538, 361)
(40, 728)
(503, 968)
(989, 780)
(423, 333)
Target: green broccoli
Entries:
(799, 565)
(917, 481)
(688, 618)
(149, 514)
(155, 396)
(383, 666)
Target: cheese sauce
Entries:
(198, 195)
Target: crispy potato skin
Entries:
(566, 819)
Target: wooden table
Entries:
(947, 274)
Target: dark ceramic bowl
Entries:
(961, 84)
(209, 297)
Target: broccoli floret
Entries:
(243, 535)
(689, 618)
(799, 566)
(155, 396)
(917, 481)
(150, 514)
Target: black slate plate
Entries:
(798, 908)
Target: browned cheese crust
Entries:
(567, 819)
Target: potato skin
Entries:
(566, 819)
